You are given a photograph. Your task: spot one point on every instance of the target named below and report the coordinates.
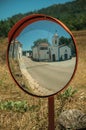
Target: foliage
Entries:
(72, 14)
(69, 43)
(39, 41)
(20, 106)
(64, 40)
(65, 96)
(68, 93)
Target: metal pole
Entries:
(51, 113)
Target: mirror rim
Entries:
(16, 30)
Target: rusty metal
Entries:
(51, 125)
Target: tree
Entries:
(69, 42)
(4, 28)
(39, 41)
(64, 40)
(72, 14)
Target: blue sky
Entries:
(9, 8)
(40, 29)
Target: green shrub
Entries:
(68, 93)
(20, 106)
(64, 97)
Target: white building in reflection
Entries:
(15, 50)
(53, 52)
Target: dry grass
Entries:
(37, 119)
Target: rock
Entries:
(72, 120)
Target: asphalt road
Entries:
(51, 75)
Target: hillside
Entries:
(73, 14)
(35, 118)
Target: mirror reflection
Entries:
(42, 58)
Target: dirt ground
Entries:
(37, 117)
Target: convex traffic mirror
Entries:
(42, 55)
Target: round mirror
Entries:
(42, 56)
